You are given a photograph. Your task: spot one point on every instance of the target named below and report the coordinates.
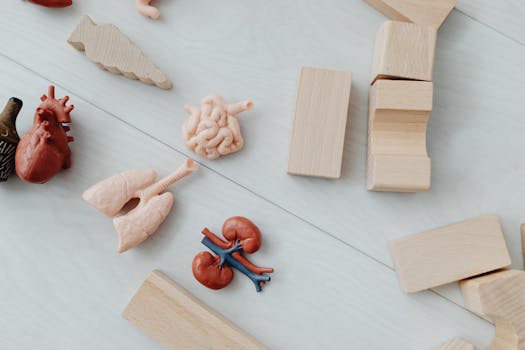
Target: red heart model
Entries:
(53, 3)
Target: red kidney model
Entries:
(215, 272)
(44, 150)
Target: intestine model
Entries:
(8, 137)
(44, 150)
(215, 272)
(212, 130)
(145, 9)
(111, 195)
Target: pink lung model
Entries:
(145, 9)
(111, 195)
(212, 130)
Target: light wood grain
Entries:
(456, 344)
(174, 318)
(424, 12)
(501, 296)
(111, 50)
(397, 158)
(449, 254)
(319, 125)
(404, 51)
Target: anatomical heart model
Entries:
(212, 130)
(53, 3)
(242, 236)
(44, 150)
(8, 137)
(110, 195)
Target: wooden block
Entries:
(449, 254)
(404, 51)
(175, 319)
(424, 12)
(456, 344)
(318, 133)
(501, 296)
(523, 243)
(397, 125)
(110, 49)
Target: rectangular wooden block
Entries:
(397, 158)
(404, 51)
(318, 133)
(424, 12)
(174, 318)
(449, 254)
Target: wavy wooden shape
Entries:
(112, 50)
(501, 296)
(397, 124)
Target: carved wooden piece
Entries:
(110, 49)
(449, 254)
(318, 132)
(175, 319)
(456, 344)
(110, 195)
(397, 124)
(501, 296)
(423, 12)
(404, 51)
(8, 137)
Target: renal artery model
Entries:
(215, 272)
(110, 195)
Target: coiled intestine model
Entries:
(212, 130)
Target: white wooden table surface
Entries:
(62, 284)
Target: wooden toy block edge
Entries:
(308, 167)
(431, 13)
(456, 344)
(178, 301)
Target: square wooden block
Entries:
(404, 51)
(319, 126)
(449, 254)
(397, 158)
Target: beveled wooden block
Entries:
(175, 319)
(404, 51)
(397, 158)
(318, 132)
(450, 253)
(424, 12)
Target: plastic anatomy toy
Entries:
(44, 150)
(215, 272)
(53, 3)
(212, 130)
(145, 9)
(8, 137)
(111, 195)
